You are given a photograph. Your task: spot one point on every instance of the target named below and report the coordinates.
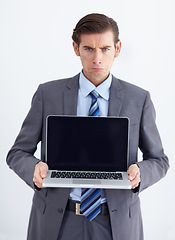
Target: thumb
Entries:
(132, 171)
(43, 169)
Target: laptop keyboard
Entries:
(87, 175)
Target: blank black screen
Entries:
(87, 143)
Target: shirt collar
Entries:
(86, 86)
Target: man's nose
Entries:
(97, 57)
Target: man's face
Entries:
(97, 53)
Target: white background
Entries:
(36, 46)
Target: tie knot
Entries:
(94, 94)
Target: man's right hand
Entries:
(40, 172)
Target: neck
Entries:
(96, 80)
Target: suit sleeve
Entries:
(155, 163)
(21, 156)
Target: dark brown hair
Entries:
(95, 23)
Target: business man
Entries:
(96, 42)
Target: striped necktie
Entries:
(94, 108)
(91, 197)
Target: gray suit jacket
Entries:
(60, 97)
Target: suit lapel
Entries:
(116, 98)
(71, 96)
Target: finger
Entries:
(37, 179)
(133, 171)
(43, 170)
(36, 175)
(135, 182)
(40, 173)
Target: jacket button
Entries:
(60, 210)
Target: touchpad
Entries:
(77, 181)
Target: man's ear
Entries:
(118, 48)
(76, 49)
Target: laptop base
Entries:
(86, 183)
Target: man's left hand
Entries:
(134, 175)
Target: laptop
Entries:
(87, 152)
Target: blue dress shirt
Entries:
(83, 106)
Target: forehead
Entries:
(97, 39)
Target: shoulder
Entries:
(129, 88)
(60, 83)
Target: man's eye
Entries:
(105, 49)
(89, 49)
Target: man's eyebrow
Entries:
(105, 46)
(87, 47)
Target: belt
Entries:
(74, 206)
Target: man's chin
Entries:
(97, 77)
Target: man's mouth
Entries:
(97, 69)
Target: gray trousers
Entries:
(76, 227)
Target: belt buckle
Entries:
(77, 210)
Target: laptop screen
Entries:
(87, 143)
